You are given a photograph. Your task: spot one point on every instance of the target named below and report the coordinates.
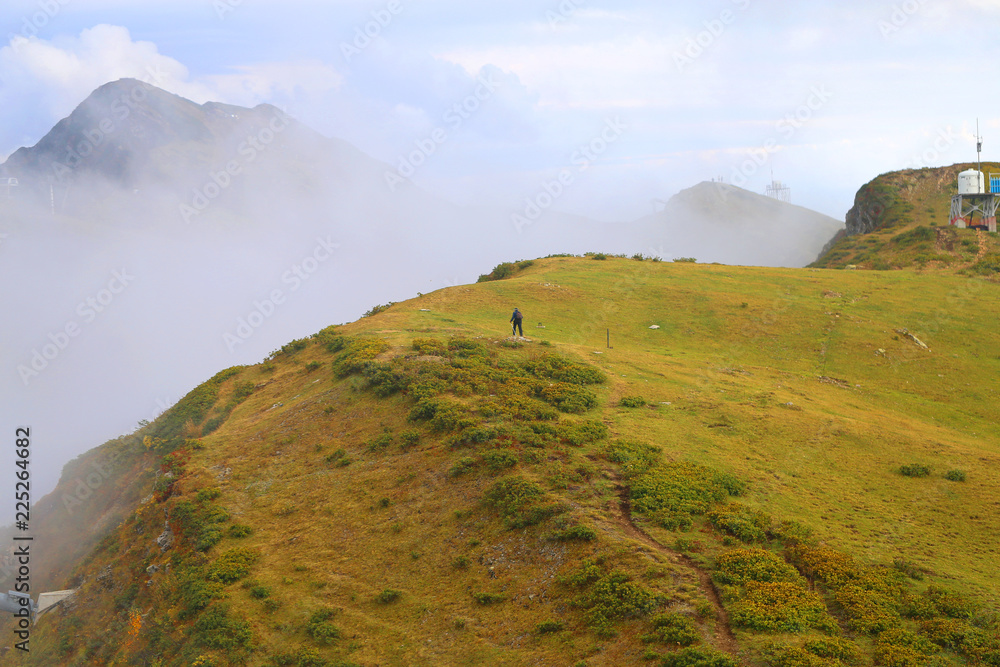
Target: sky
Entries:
(492, 99)
(484, 104)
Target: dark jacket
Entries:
(516, 317)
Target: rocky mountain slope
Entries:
(901, 219)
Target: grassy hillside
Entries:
(901, 219)
(417, 489)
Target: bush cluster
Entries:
(673, 629)
(520, 502)
(780, 606)
(739, 566)
(741, 522)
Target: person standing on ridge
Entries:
(516, 322)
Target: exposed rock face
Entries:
(166, 538)
(869, 207)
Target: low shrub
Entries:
(682, 487)
(488, 598)
(548, 627)
(741, 522)
(320, 628)
(914, 470)
(779, 607)
(739, 566)
(673, 629)
(632, 402)
(867, 611)
(901, 648)
(388, 596)
(581, 533)
(955, 475)
(500, 459)
(609, 597)
(239, 530)
(216, 629)
(698, 657)
(462, 466)
(518, 502)
(233, 565)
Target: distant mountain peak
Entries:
(118, 129)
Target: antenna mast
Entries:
(979, 148)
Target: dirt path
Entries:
(724, 638)
(983, 245)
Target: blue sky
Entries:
(827, 94)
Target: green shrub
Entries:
(375, 310)
(216, 629)
(518, 502)
(547, 627)
(488, 598)
(779, 607)
(499, 272)
(739, 566)
(388, 596)
(599, 255)
(834, 648)
(867, 611)
(673, 629)
(409, 438)
(260, 592)
(320, 628)
(205, 495)
(955, 475)
(632, 402)
(240, 530)
(460, 562)
(698, 657)
(613, 597)
(195, 592)
(233, 565)
(741, 522)
(682, 487)
(578, 532)
(582, 432)
(901, 648)
(685, 260)
(462, 466)
(567, 397)
(500, 459)
(914, 470)
(380, 443)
